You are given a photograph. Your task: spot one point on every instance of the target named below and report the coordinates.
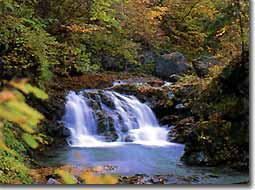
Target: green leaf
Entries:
(29, 139)
(67, 177)
(36, 91)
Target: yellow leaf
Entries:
(66, 177)
(89, 178)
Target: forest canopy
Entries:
(60, 37)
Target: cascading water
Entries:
(138, 118)
(132, 120)
(80, 120)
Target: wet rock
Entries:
(147, 57)
(110, 136)
(126, 89)
(105, 127)
(101, 125)
(213, 176)
(119, 82)
(158, 179)
(172, 136)
(162, 107)
(197, 158)
(155, 83)
(57, 130)
(174, 78)
(66, 132)
(180, 133)
(52, 181)
(166, 85)
(170, 94)
(169, 119)
(110, 168)
(129, 138)
(169, 64)
(180, 107)
(94, 105)
(140, 81)
(124, 129)
(202, 65)
(107, 100)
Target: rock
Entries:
(171, 136)
(101, 125)
(147, 57)
(213, 176)
(66, 132)
(156, 83)
(180, 133)
(110, 136)
(197, 158)
(170, 94)
(111, 63)
(180, 107)
(155, 180)
(201, 157)
(124, 129)
(174, 78)
(169, 119)
(129, 138)
(118, 82)
(202, 65)
(169, 64)
(107, 100)
(52, 181)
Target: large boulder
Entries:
(202, 65)
(169, 64)
(147, 57)
(112, 63)
(198, 158)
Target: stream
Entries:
(112, 129)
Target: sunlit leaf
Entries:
(36, 91)
(89, 178)
(30, 140)
(66, 177)
(6, 96)
(27, 88)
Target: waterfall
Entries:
(132, 121)
(80, 120)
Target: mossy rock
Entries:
(107, 100)
(126, 89)
(110, 136)
(197, 158)
(94, 104)
(101, 125)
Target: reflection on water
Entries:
(131, 159)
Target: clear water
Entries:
(149, 153)
(131, 159)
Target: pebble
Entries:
(179, 106)
(52, 181)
